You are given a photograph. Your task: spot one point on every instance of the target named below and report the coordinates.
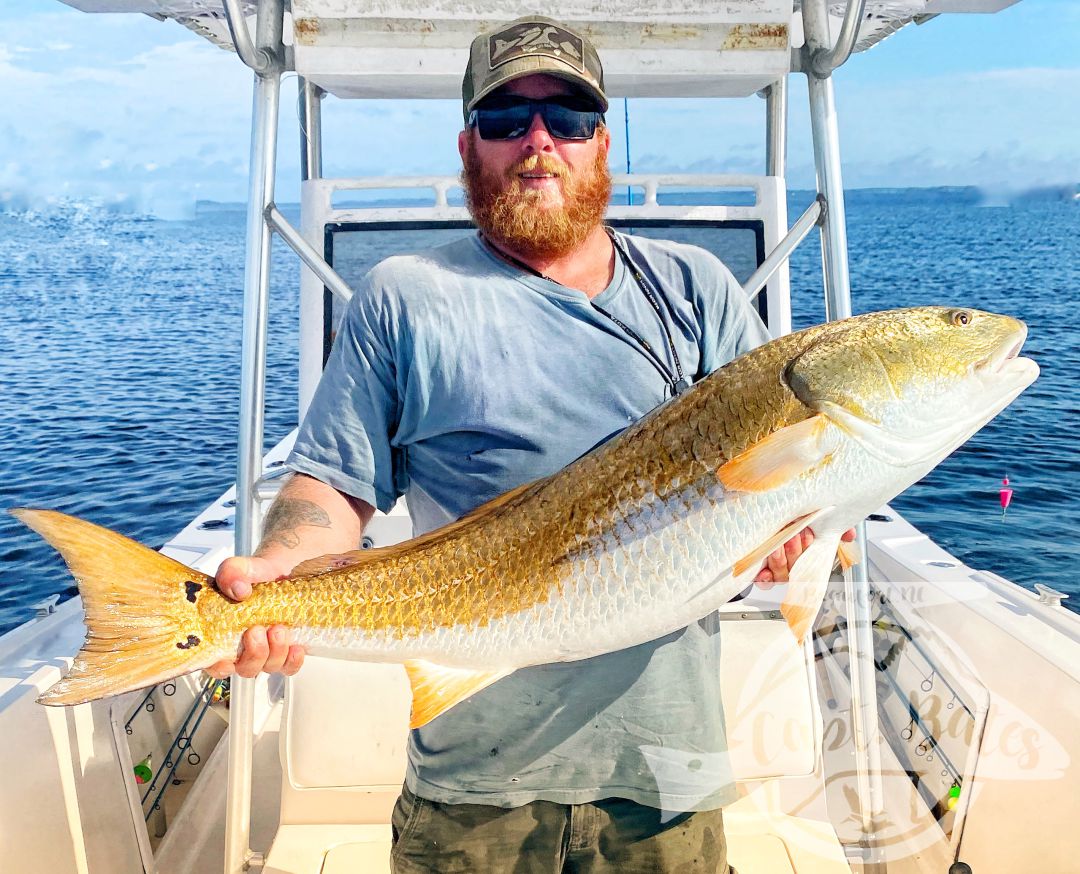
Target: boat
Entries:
(928, 725)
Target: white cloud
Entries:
(95, 127)
(14, 76)
(1015, 127)
(109, 105)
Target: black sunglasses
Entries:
(507, 118)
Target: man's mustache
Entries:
(543, 163)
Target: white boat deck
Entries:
(760, 837)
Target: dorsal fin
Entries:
(335, 562)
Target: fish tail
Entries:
(142, 622)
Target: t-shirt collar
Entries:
(554, 289)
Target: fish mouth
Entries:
(1004, 373)
(1006, 360)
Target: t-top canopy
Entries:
(419, 48)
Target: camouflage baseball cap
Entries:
(533, 44)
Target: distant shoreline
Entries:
(961, 195)
(942, 195)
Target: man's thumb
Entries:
(235, 576)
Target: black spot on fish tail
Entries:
(192, 640)
(192, 589)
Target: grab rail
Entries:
(823, 61)
(261, 60)
(813, 217)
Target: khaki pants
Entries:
(605, 837)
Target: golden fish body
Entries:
(644, 535)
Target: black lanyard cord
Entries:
(650, 353)
(676, 382)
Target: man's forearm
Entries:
(285, 518)
(309, 518)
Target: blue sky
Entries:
(127, 108)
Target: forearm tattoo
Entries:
(286, 515)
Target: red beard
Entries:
(520, 219)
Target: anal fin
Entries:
(437, 688)
(848, 555)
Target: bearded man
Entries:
(462, 372)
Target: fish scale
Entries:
(504, 579)
(646, 534)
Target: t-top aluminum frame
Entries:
(818, 60)
(266, 57)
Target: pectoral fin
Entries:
(781, 537)
(437, 688)
(807, 581)
(782, 456)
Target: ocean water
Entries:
(121, 356)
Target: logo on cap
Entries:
(530, 38)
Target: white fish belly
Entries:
(663, 565)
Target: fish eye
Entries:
(961, 318)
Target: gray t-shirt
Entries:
(456, 377)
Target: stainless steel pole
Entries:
(830, 183)
(263, 158)
(776, 101)
(259, 59)
(837, 282)
(308, 255)
(823, 60)
(310, 130)
(317, 307)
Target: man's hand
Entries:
(261, 649)
(776, 567)
(308, 518)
